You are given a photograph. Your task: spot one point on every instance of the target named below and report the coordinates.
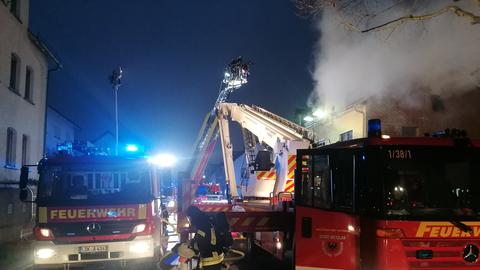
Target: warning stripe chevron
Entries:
(291, 166)
(213, 208)
(292, 162)
(266, 175)
(216, 207)
(252, 221)
(259, 221)
(289, 186)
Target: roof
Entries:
(66, 118)
(44, 49)
(101, 136)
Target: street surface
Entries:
(19, 256)
(21, 259)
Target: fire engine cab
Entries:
(388, 203)
(95, 209)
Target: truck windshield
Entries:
(77, 186)
(432, 183)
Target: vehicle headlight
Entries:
(139, 247)
(45, 253)
(46, 232)
(139, 228)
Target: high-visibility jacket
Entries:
(210, 249)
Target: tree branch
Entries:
(474, 19)
(314, 6)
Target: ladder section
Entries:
(307, 134)
(268, 129)
(250, 142)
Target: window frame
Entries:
(14, 80)
(28, 94)
(11, 148)
(25, 149)
(306, 200)
(407, 131)
(341, 159)
(348, 134)
(15, 9)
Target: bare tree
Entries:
(374, 15)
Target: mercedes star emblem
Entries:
(470, 253)
(93, 228)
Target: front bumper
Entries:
(47, 253)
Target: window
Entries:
(314, 182)
(14, 8)
(409, 131)
(437, 103)
(28, 84)
(321, 182)
(25, 149)
(343, 181)
(14, 70)
(346, 136)
(11, 147)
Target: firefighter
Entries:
(165, 217)
(207, 241)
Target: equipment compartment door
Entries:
(326, 239)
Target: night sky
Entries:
(172, 54)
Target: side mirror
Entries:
(23, 177)
(23, 195)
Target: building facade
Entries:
(23, 90)
(60, 130)
(418, 113)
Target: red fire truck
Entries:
(95, 209)
(389, 203)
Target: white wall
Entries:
(15, 111)
(59, 130)
(24, 116)
(351, 119)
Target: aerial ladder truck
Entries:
(270, 145)
(281, 139)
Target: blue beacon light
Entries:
(374, 128)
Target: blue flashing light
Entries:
(64, 147)
(131, 148)
(374, 128)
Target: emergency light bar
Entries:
(374, 128)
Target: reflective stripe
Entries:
(213, 237)
(42, 215)
(142, 211)
(201, 233)
(212, 260)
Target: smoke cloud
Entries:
(441, 54)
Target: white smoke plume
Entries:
(441, 54)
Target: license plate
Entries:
(92, 249)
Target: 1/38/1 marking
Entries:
(400, 154)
